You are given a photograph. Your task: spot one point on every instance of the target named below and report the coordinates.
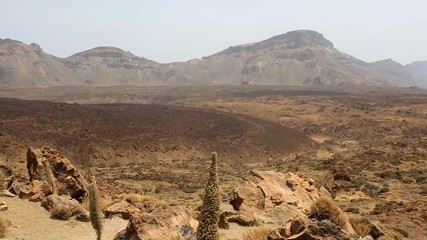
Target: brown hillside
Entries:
(130, 133)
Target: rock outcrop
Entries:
(304, 229)
(51, 173)
(272, 197)
(7, 177)
(167, 224)
(122, 209)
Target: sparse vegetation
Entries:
(61, 212)
(403, 232)
(258, 232)
(209, 216)
(94, 209)
(104, 203)
(3, 227)
(2, 181)
(361, 225)
(134, 198)
(324, 208)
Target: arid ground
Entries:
(368, 147)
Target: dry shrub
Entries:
(324, 208)
(136, 199)
(361, 225)
(257, 233)
(64, 212)
(103, 203)
(3, 227)
(2, 181)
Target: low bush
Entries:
(63, 212)
(324, 208)
(361, 226)
(257, 233)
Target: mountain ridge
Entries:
(301, 57)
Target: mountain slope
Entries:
(109, 66)
(302, 57)
(26, 66)
(419, 71)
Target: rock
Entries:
(243, 219)
(304, 229)
(376, 232)
(83, 217)
(272, 197)
(48, 166)
(3, 206)
(122, 209)
(7, 193)
(54, 201)
(325, 192)
(7, 181)
(35, 190)
(167, 224)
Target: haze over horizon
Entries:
(169, 31)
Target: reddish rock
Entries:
(122, 209)
(167, 224)
(273, 197)
(47, 167)
(54, 201)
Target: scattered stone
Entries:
(3, 206)
(305, 229)
(83, 217)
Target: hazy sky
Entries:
(167, 31)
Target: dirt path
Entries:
(31, 221)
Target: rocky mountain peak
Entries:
(105, 52)
(300, 38)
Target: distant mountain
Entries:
(23, 66)
(419, 71)
(300, 57)
(109, 66)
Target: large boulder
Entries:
(64, 206)
(121, 209)
(49, 167)
(168, 224)
(273, 197)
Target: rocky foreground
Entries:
(282, 201)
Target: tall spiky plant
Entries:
(209, 216)
(95, 209)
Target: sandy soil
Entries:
(31, 221)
